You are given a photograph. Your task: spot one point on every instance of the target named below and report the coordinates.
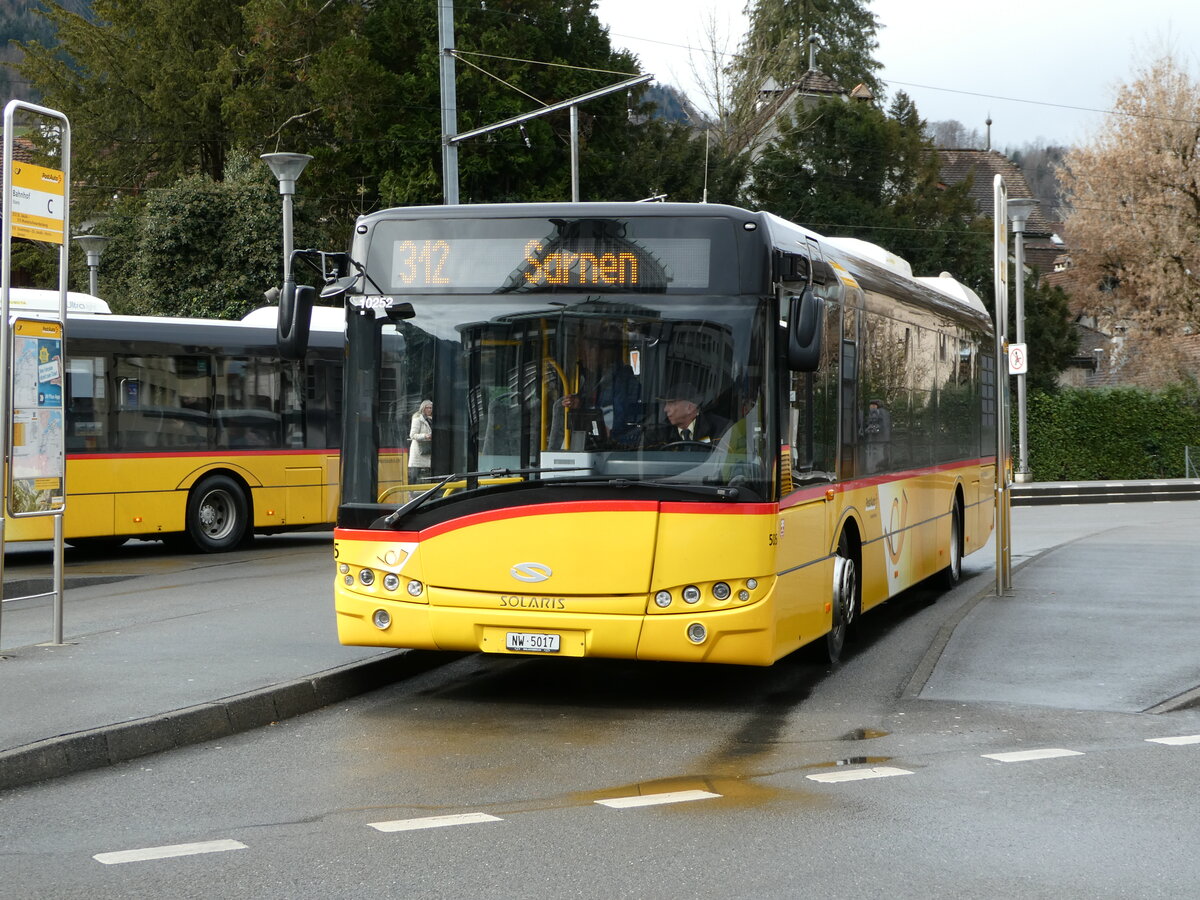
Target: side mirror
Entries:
(398, 312)
(806, 315)
(295, 315)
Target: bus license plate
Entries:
(538, 643)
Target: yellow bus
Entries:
(191, 430)
(659, 431)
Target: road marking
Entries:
(1027, 755)
(858, 774)
(1177, 741)
(125, 856)
(433, 822)
(656, 799)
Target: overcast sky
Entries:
(1040, 69)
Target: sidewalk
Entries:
(163, 652)
(1104, 614)
(194, 649)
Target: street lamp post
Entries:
(93, 245)
(1018, 213)
(287, 168)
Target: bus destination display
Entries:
(592, 259)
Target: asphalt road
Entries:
(798, 780)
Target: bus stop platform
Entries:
(163, 651)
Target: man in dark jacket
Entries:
(686, 422)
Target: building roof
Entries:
(957, 166)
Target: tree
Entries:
(952, 134)
(142, 85)
(775, 50)
(777, 42)
(851, 169)
(199, 247)
(1133, 195)
(1051, 340)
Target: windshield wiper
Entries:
(706, 490)
(415, 502)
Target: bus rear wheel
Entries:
(218, 514)
(952, 574)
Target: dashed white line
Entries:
(1177, 741)
(656, 799)
(433, 822)
(857, 774)
(1027, 755)
(125, 856)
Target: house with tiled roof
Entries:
(1043, 242)
(776, 101)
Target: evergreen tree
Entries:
(777, 42)
(1048, 332)
(850, 169)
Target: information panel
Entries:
(37, 203)
(37, 475)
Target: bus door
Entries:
(807, 504)
(848, 391)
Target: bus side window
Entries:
(247, 404)
(87, 403)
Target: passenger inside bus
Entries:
(604, 408)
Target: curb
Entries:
(111, 744)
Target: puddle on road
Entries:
(863, 734)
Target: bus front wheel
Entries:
(845, 602)
(218, 514)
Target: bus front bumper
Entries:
(744, 636)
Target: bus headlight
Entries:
(697, 633)
(721, 591)
(663, 599)
(381, 619)
(367, 577)
(691, 594)
(415, 588)
(391, 581)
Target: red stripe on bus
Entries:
(811, 492)
(214, 455)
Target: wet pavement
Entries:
(162, 651)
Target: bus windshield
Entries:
(654, 391)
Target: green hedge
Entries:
(1118, 433)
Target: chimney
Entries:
(812, 53)
(988, 144)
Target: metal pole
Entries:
(574, 153)
(1018, 211)
(449, 101)
(288, 207)
(1000, 272)
(59, 551)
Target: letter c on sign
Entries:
(530, 572)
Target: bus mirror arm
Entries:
(804, 333)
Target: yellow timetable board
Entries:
(38, 202)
